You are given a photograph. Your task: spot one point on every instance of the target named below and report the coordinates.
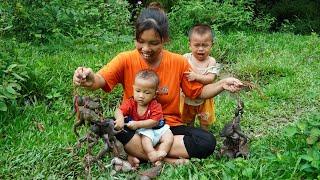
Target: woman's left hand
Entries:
(232, 84)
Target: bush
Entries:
(40, 21)
(224, 16)
(298, 16)
(13, 74)
(308, 134)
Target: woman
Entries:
(151, 34)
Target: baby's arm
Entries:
(119, 122)
(203, 78)
(148, 123)
(154, 118)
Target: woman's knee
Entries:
(200, 143)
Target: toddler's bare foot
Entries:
(156, 155)
(153, 156)
(134, 162)
(158, 163)
(121, 165)
(161, 155)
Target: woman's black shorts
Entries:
(199, 143)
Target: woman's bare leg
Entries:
(175, 161)
(178, 153)
(178, 150)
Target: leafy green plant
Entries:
(298, 16)
(223, 16)
(308, 133)
(13, 75)
(10, 86)
(41, 21)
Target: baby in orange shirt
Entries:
(204, 69)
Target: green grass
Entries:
(285, 67)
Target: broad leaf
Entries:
(306, 157)
(312, 139)
(302, 126)
(291, 131)
(3, 106)
(315, 132)
(10, 90)
(11, 67)
(306, 167)
(247, 172)
(18, 77)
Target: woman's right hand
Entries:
(83, 77)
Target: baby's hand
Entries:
(132, 125)
(191, 75)
(118, 124)
(83, 77)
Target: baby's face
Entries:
(144, 91)
(200, 46)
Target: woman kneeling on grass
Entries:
(151, 34)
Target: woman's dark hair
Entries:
(153, 18)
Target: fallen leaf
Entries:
(40, 127)
(69, 149)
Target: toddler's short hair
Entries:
(201, 29)
(149, 74)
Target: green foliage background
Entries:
(298, 16)
(39, 20)
(224, 16)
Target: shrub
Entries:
(298, 16)
(308, 134)
(40, 21)
(225, 16)
(13, 75)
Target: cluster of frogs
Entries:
(90, 112)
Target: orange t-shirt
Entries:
(123, 68)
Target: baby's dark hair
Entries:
(201, 29)
(155, 5)
(153, 17)
(149, 74)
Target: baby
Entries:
(144, 114)
(204, 69)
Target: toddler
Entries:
(144, 114)
(204, 69)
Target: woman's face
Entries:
(150, 46)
